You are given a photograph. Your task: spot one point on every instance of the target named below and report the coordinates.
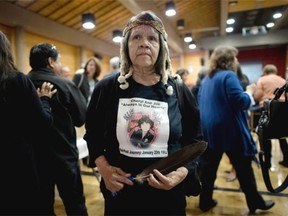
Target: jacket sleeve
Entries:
(99, 118)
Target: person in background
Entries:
(183, 73)
(115, 65)
(244, 80)
(266, 85)
(200, 76)
(225, 128)
(65, 72)
(23, 115)
(58, 162)
(87, 80)
(144, 87)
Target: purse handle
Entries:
(279, 91)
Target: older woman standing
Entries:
(143, 88)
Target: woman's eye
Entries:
(152, 38)
(136, 37)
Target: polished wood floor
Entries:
(231, 200)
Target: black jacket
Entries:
(69, 110)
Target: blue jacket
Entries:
(222, 103)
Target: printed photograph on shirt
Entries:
(142, 127)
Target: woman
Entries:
(24, 116)
(87, 80)
(144, 87)
(222, 103)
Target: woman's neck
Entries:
(146, 78)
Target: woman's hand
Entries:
(169, 181)
(114, 177)
(46, 90)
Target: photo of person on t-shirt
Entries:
(143, 134)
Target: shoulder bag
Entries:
(270, 126)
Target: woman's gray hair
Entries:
(163, 64)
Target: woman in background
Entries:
(225, 128)
(87, 80)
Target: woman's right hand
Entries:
(46, 90)
(114, 177)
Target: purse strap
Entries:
(265, 169)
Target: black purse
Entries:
(270, 126)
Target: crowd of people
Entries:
(132, 119)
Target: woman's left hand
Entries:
(169, 181)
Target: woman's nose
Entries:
(144, 42)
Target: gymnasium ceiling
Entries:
(203, 18)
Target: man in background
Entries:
(57, 152)
(115, 64)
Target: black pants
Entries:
(70, 188)
(209, 163)
(267, 147)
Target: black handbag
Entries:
(270, 126)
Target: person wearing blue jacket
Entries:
(222, 105)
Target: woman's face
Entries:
(91, 67)
(143, 46)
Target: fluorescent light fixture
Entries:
(188, 37)
(117, 36)
(192, 45)
(270, 25)
(277, 15)
(88, 21)
(230, 21)
(170, 9)
(229, 29)
(180, 24)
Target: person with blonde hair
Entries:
(266, 86)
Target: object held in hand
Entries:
(174, 160)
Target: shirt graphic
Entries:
(142, 127)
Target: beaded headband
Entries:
(155, 24)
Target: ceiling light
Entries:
(180, 24)
(233, 3)
(188, 37)
(229, 29)
(88, 21)
(270, 25)
(117, 36)
(230, 21)
(277, 15)
(170, 9)
(192, 45)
